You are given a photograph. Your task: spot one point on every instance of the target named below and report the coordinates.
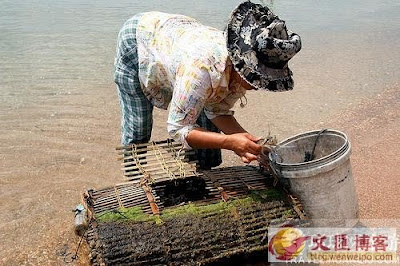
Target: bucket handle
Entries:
(310, 156)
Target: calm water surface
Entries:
(52, 47)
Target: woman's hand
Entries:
(244, 145)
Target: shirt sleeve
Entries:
(224, 107)
(189, 96)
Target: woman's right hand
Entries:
(244, 145)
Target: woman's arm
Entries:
(186, 104)
(243, 144)
(228, 124)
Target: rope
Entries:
(178, 161)
(118, 197)
(161, 160)
(67, 256)
(71, 259)
(146, 176)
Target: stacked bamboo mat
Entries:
(167, 213)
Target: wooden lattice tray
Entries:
(205, 235)
(221, 183)
(156, 161)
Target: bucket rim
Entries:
(308, 133)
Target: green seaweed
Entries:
(199, 210)
(287, 214)
(266, 194)
(136, 214)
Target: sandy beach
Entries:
(51, 155)
(60, 118)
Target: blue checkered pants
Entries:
(136, 109)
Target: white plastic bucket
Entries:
(325, 183)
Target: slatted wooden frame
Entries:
(156, 161)
(221, 183)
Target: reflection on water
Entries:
(61, 46)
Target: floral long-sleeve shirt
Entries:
(183, 63)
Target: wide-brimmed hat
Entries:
(260, 47)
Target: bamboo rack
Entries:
(220, 183)
(156, 161)
(214, 235)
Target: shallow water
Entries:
(62, 47)
(59, 113)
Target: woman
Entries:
(199, 72)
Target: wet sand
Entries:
(59, 113)
(374, 130)
(62, 144)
